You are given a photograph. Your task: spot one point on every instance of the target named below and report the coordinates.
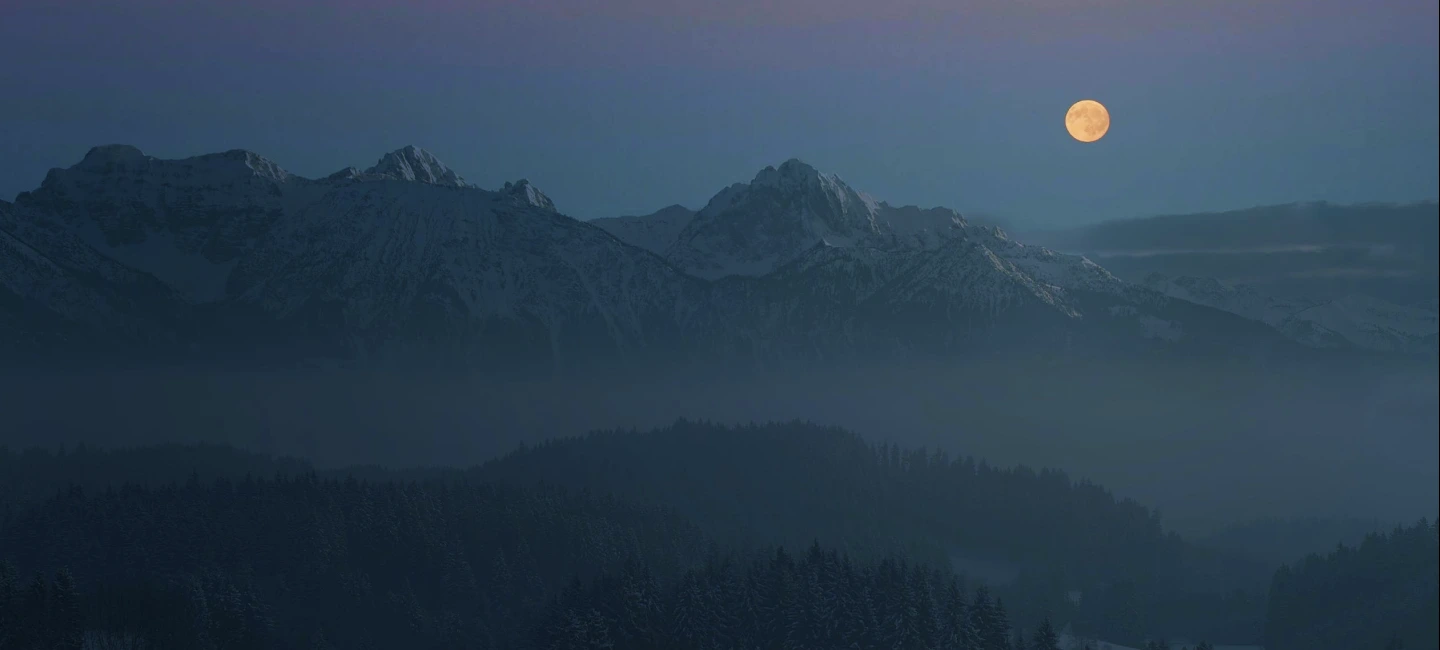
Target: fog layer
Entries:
(1209, 444)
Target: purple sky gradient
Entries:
(628, 105)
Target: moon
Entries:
(1087, 120)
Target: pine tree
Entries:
(65, 617)
(953, 619)
(1000, 626)
(1045, 637)
(977, 621)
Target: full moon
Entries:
(1087, 120)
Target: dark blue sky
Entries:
(623, 107)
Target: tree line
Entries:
(308, 563)
(790, 483)
(1383, 594)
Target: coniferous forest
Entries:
(695, 536)
(1382, 594)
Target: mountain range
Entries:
(228, 257)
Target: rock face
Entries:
(414, 164)
(228, 255)
(528, 194)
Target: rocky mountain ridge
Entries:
(406, 260)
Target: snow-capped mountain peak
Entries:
(791, 172)
(412, 163)
(528, 194)
(753, 228)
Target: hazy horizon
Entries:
(1209, 444)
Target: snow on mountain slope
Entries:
(528, 194)
(380, 259)
(403, 251)
(803, 234)
(55, 289)
(186, 222)
(1059, 270)
(753, 228)
(1359, 321)
(1239, 299)
(861, 301)
(654, 232)
(967, 272)
(1375, 324)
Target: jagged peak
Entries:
(261, 165)
(797, 167)
(792, 175)
(411, 163)
(528, 194)
(791, 172)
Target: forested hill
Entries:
(1040, 539)
(796, 482)
(31, 475)
(305, 563)
(283, 563)
(1045, 534)
(1382, 594)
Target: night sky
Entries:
(625, 106)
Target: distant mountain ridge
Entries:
(653, 232)
(1328, 276)
(1360, 321)
(1410, 227)
(230, 255)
